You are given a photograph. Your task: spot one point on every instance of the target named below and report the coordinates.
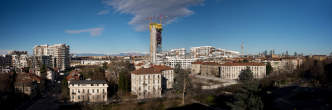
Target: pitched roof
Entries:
(155, 69)
(210, 63)
(87, 82)
(243, 64)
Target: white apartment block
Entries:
(202, 51)
(94, 62)
(184, 63)
(19, 59)
(58, 52)
(88, 90)
(233, 70)
(150, 82)
(177, 53)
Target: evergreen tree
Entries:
(269, 68)
(246, 75)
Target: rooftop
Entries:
(88, 82)
(243, 64)
(155, 69)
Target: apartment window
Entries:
(93, 91)
(83, 91)
(97, 90)
(88, 90)
(103, 90)
(78, 91)
(79, 97)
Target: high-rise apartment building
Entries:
(59, 54)
(155, 40)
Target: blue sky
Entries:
(114, 26)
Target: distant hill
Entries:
(129, 54)
(89, 54)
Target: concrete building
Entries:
(5, 61)
(150, 82)
(202, 51)
(196, 68)
(210, 69)
(177, 53)
(19, 59)
(88, 90)
(233, 70)
(184, 63)
(58, 52)
(155, 41)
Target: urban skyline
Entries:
(276, 25)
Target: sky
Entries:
(117, 26)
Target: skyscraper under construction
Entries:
(155, 40)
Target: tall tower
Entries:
(155, 40)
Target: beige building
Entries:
(150, 82)
(233, 70)
(59, 54)
(196, 68)
(88, 90)
(210, 69)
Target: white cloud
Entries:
(103, 12)
(93, 31)
(141, 9)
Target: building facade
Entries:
(150, 82)
(184, 63)
(59, 53)
(88, 90)
(233, 70)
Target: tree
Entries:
(64, 89)
(246, 75)
(43, 80)
(269, 68)
(248, 98)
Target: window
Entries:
(93, 91)
(97, 90)
(88, 90)
(83, 91)
(103, 90)
(79, 97)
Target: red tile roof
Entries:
(155, 69)
(210, 63)
(243, 64)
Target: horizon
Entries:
(112, 27)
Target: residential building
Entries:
(196, 68)
(59, 54)
(233, 70)
(88, 90)
(184, 63)
(19, 59)
(150, 82)
(201, 52)
(177, 53)
(210, 69)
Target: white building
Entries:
(58, 52)
(94, 62)
(88, 90)
(202, 51)
(184, 63)
(233, 70)
(150, 82)
(19, 58)
(177, 53)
